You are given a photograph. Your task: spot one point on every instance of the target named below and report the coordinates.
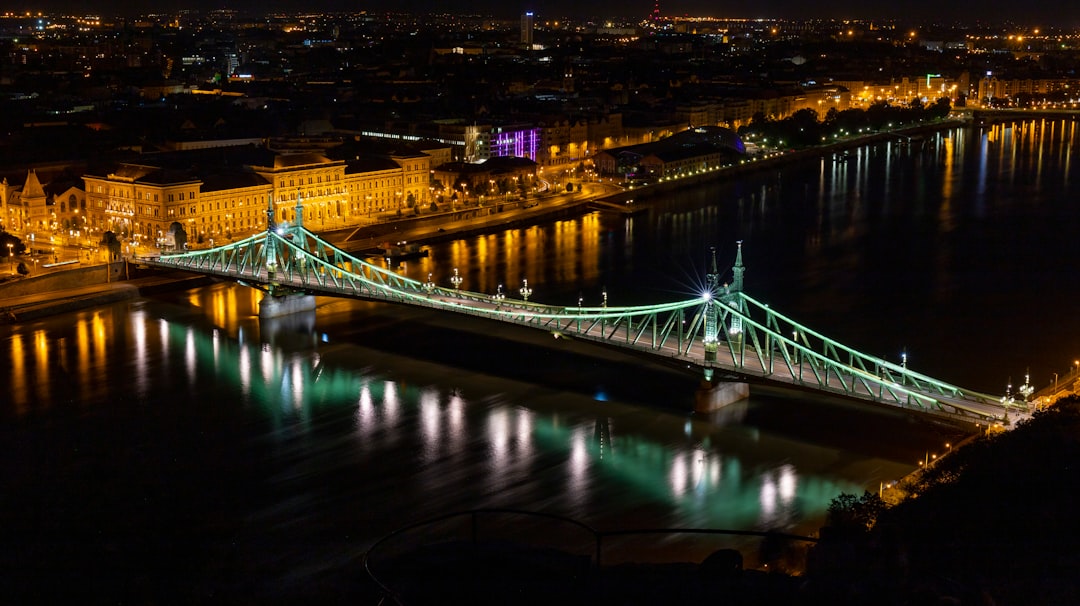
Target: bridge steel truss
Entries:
(722, 330)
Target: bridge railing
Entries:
(758, 340)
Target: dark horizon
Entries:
(967, 12)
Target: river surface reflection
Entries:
(176, 438)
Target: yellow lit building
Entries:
(223, 195)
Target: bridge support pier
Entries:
(276, 306)
(711, 397)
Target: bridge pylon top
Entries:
(298, 220)
(270, 212)
(738, 269)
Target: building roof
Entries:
(369, 164)
(32, 188)
(688, 143)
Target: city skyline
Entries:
(964, 11)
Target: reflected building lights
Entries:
(19, 395)
(243, 367)
(266, 366)
(524, 433)
(288, 387)
(430, 421)
(298, 375)
(189, 355)
(365, 412)
(82, 347)
(677, 477)
(455, 417)
(163, 340)
(41, 379)
(99, 340)
(498, 435)
(767, 501)
(698, 471)
(788, 484)
(391, 403)
(142, 355)
(578, 463)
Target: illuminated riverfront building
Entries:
(223, 194)
(57, 207)
(689, 152)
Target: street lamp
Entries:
(525, 290)
(11, 256)
(456, 279)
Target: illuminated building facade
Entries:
(56, 208)
(528, 23)
(140, 201)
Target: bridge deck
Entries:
(748, 341)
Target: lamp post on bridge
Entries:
(456, 279)
(525, 290)
(712, 282)
(1026, 389)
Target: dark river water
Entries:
(175, 448)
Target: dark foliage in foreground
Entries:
(996, 522)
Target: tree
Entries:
(569, 187)
(112, 244)
(849, 515)
(23, 269)
(17, 246)
(410, 200)
(940, 108)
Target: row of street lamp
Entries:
(525, 291)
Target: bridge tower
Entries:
(272, 252)
(279, 300)
(715, 395)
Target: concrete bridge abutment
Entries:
(713, 396)
(276, 306)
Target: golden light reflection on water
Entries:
(19, 378)
(41, 356)
(565, 251)
(227, 305)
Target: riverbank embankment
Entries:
(34, 297)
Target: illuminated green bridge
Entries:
(734, 339)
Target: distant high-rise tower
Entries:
(527, 29)
(655, 16)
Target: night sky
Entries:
(1044, 13)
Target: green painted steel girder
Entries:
(722, 329)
